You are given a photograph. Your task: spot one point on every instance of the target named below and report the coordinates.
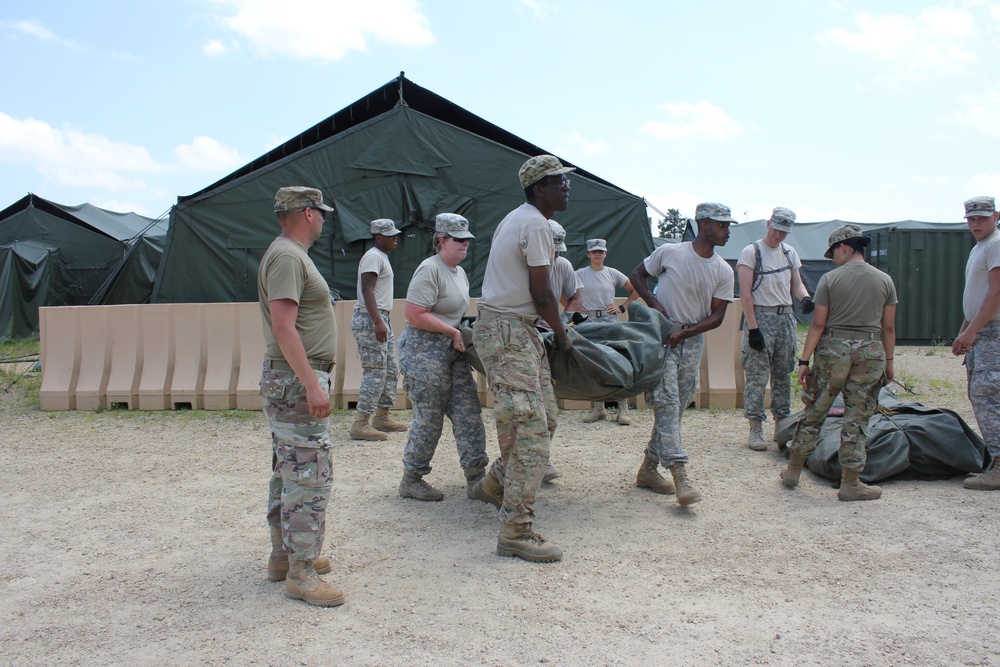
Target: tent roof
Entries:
(399, 91)
(115, 225)
(810, 238)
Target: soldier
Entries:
(599, 285)
(694, 288)
(979, 338)
(516, 291)
(300, 337)
(768, 272)
(436, 375)
(853, 336)
(373, 334)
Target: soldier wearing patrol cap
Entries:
(853, 336)
(300, 338)
(768, 274)
(516, 292)
(373, 333)
(694, 288)
(979, 337)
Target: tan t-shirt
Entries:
(444, 290)
(522, 239)
(984, 257)
(687, 282)
(563, 279)
(599, 286)
(855, 293)
(287, 272)
(377, 262)
(775, 288)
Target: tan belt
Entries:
(597, 313)
(282, 365)
(850, 334)
(780, 310)
(494, 315)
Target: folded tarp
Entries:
(908, 438)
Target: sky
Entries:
(837, 109)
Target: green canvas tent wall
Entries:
(63, 255)
(925, 259)
(401, 152)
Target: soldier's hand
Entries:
(381, 331)
(755, 339)
(457, 341)
(803, 376)
(319, 402)
(807, 305)
(565, 343)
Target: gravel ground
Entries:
(139, 539)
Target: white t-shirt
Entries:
(376, 261)
(522, 239)
(687, 282)
(444, 290)
(599, 286)
(563, 279)
(775, 289)
(985, 255)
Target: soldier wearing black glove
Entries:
(756, 339)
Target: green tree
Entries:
(672, 226)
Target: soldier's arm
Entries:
(799, 290)
(889, 339)
(543, 298)
(816, 329)
(745, 275)
(368, 281)
(421, 318)
(638, 280)
(986, 313)
(284, 313)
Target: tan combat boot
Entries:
(277, 562)
(649, 478)
(303, 583)
(383, 422)
(360, 430)
(756, 441)
(987, 481)
(488, 489)
(597, 413)
(852, 488)
(517, 539)
(551, 473)
(686, 494)
(472, 475)
(413, 486)
(623, 418)
(790, 475)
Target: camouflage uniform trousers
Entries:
(775, 363)
(302, 462)
(982, 367)
(524, 405)
(379, 370)
(445, 387)
(856, 368)
(671, 396)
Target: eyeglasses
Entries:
(454, 238)
(563, 182)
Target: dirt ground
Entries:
(139, 539)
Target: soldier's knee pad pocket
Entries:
(515, 405)
(274, 385)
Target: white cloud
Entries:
(932, 43)
(38, 30)
(214, 47)
(700, 120)
(981, 111)
(540, 10)
(588, 147)
(205, 153)
(984, 183)
(334, 28)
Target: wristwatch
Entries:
(804, 362)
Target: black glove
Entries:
(564, 344)
(807, 305)
(579, 317)
(756, 339)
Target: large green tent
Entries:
(55, 255)
(400, 152)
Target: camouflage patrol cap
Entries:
(540, 166)
(841, 234)
(713, 211)
(453, 225)
(782, 219)
(985, 206)
(597, 244)
(385, 227)
(294, 197)
(558, 236)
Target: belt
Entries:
(597, 313)
(365, 311)
(780, 310)
(494, 315)
(282, 365)
(850, 334)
